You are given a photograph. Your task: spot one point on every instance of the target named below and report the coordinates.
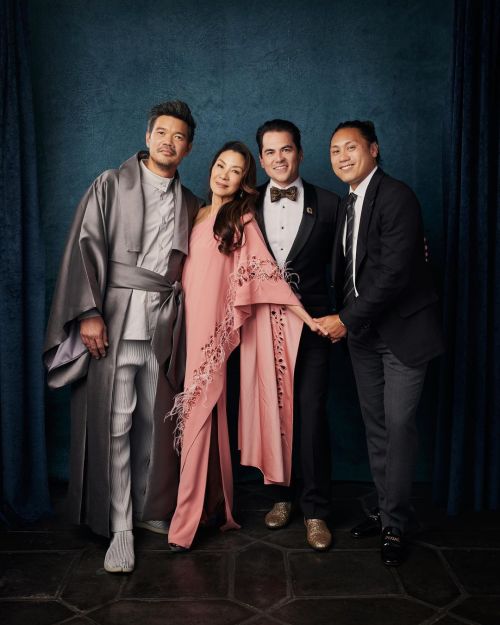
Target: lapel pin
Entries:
(309, 210)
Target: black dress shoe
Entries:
(177, 548)
(371, 526)
(393, 547)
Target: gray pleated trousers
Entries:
(131, 431)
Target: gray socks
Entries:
(120, 555)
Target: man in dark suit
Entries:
(298, 221)
(388, 309)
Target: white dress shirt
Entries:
(157, 238)
(282, 220)
(360, 193)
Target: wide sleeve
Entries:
(269, 340)
(79, 289)
(255, 315)
(257, 279)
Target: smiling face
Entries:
(226, 175)
(352, 156)
(280, 157)
(168, 144)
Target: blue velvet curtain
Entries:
(23, 489)
(467, 463)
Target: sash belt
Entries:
(168, 338)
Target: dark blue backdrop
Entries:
(99, 66)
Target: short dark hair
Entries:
(367, 130)
(279, 125)
(173, 108)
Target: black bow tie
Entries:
(277, 194)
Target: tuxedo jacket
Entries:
(311, 251)
(397, 296)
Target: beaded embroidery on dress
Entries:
(225, 338)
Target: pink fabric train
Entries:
(231, 300)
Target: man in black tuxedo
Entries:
(298, 221)
(388, 309)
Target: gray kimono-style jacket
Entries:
(98, 271)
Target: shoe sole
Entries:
(277, 527)
(177, 548)
(118, 569)
(320, 549)
(154, 530)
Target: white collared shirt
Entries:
(282, 219)
(157, 239)
(360, 193)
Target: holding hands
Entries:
(316, 327)
(311, 323)
(332, 327)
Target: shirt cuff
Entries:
(93, 312)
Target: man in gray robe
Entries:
(115, 333)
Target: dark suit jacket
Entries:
(311, 251)
(396, 292)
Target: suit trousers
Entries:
(389, 393)
(311, 436)
(132, 412)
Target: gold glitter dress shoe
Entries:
(318, 534)
(279, 515)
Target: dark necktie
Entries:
(349, 267)
(277, 194)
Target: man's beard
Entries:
(161, 165)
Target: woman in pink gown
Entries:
(234, 294)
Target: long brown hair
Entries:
(229, 224)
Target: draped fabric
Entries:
(24, 485)
(467, 463)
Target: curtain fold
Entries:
(467, 461)
(24, 483)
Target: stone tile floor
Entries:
(52, 573)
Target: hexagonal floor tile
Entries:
(477, 569)
(484, 610)
(260, 576)
(33, 612)
(32, 574)
(341, 573)
(375, 611)
(425, 577)
(263, 620)
(448, 620)
(178, 575)
(89, 585)
(172, 612)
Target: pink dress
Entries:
(231, 300)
